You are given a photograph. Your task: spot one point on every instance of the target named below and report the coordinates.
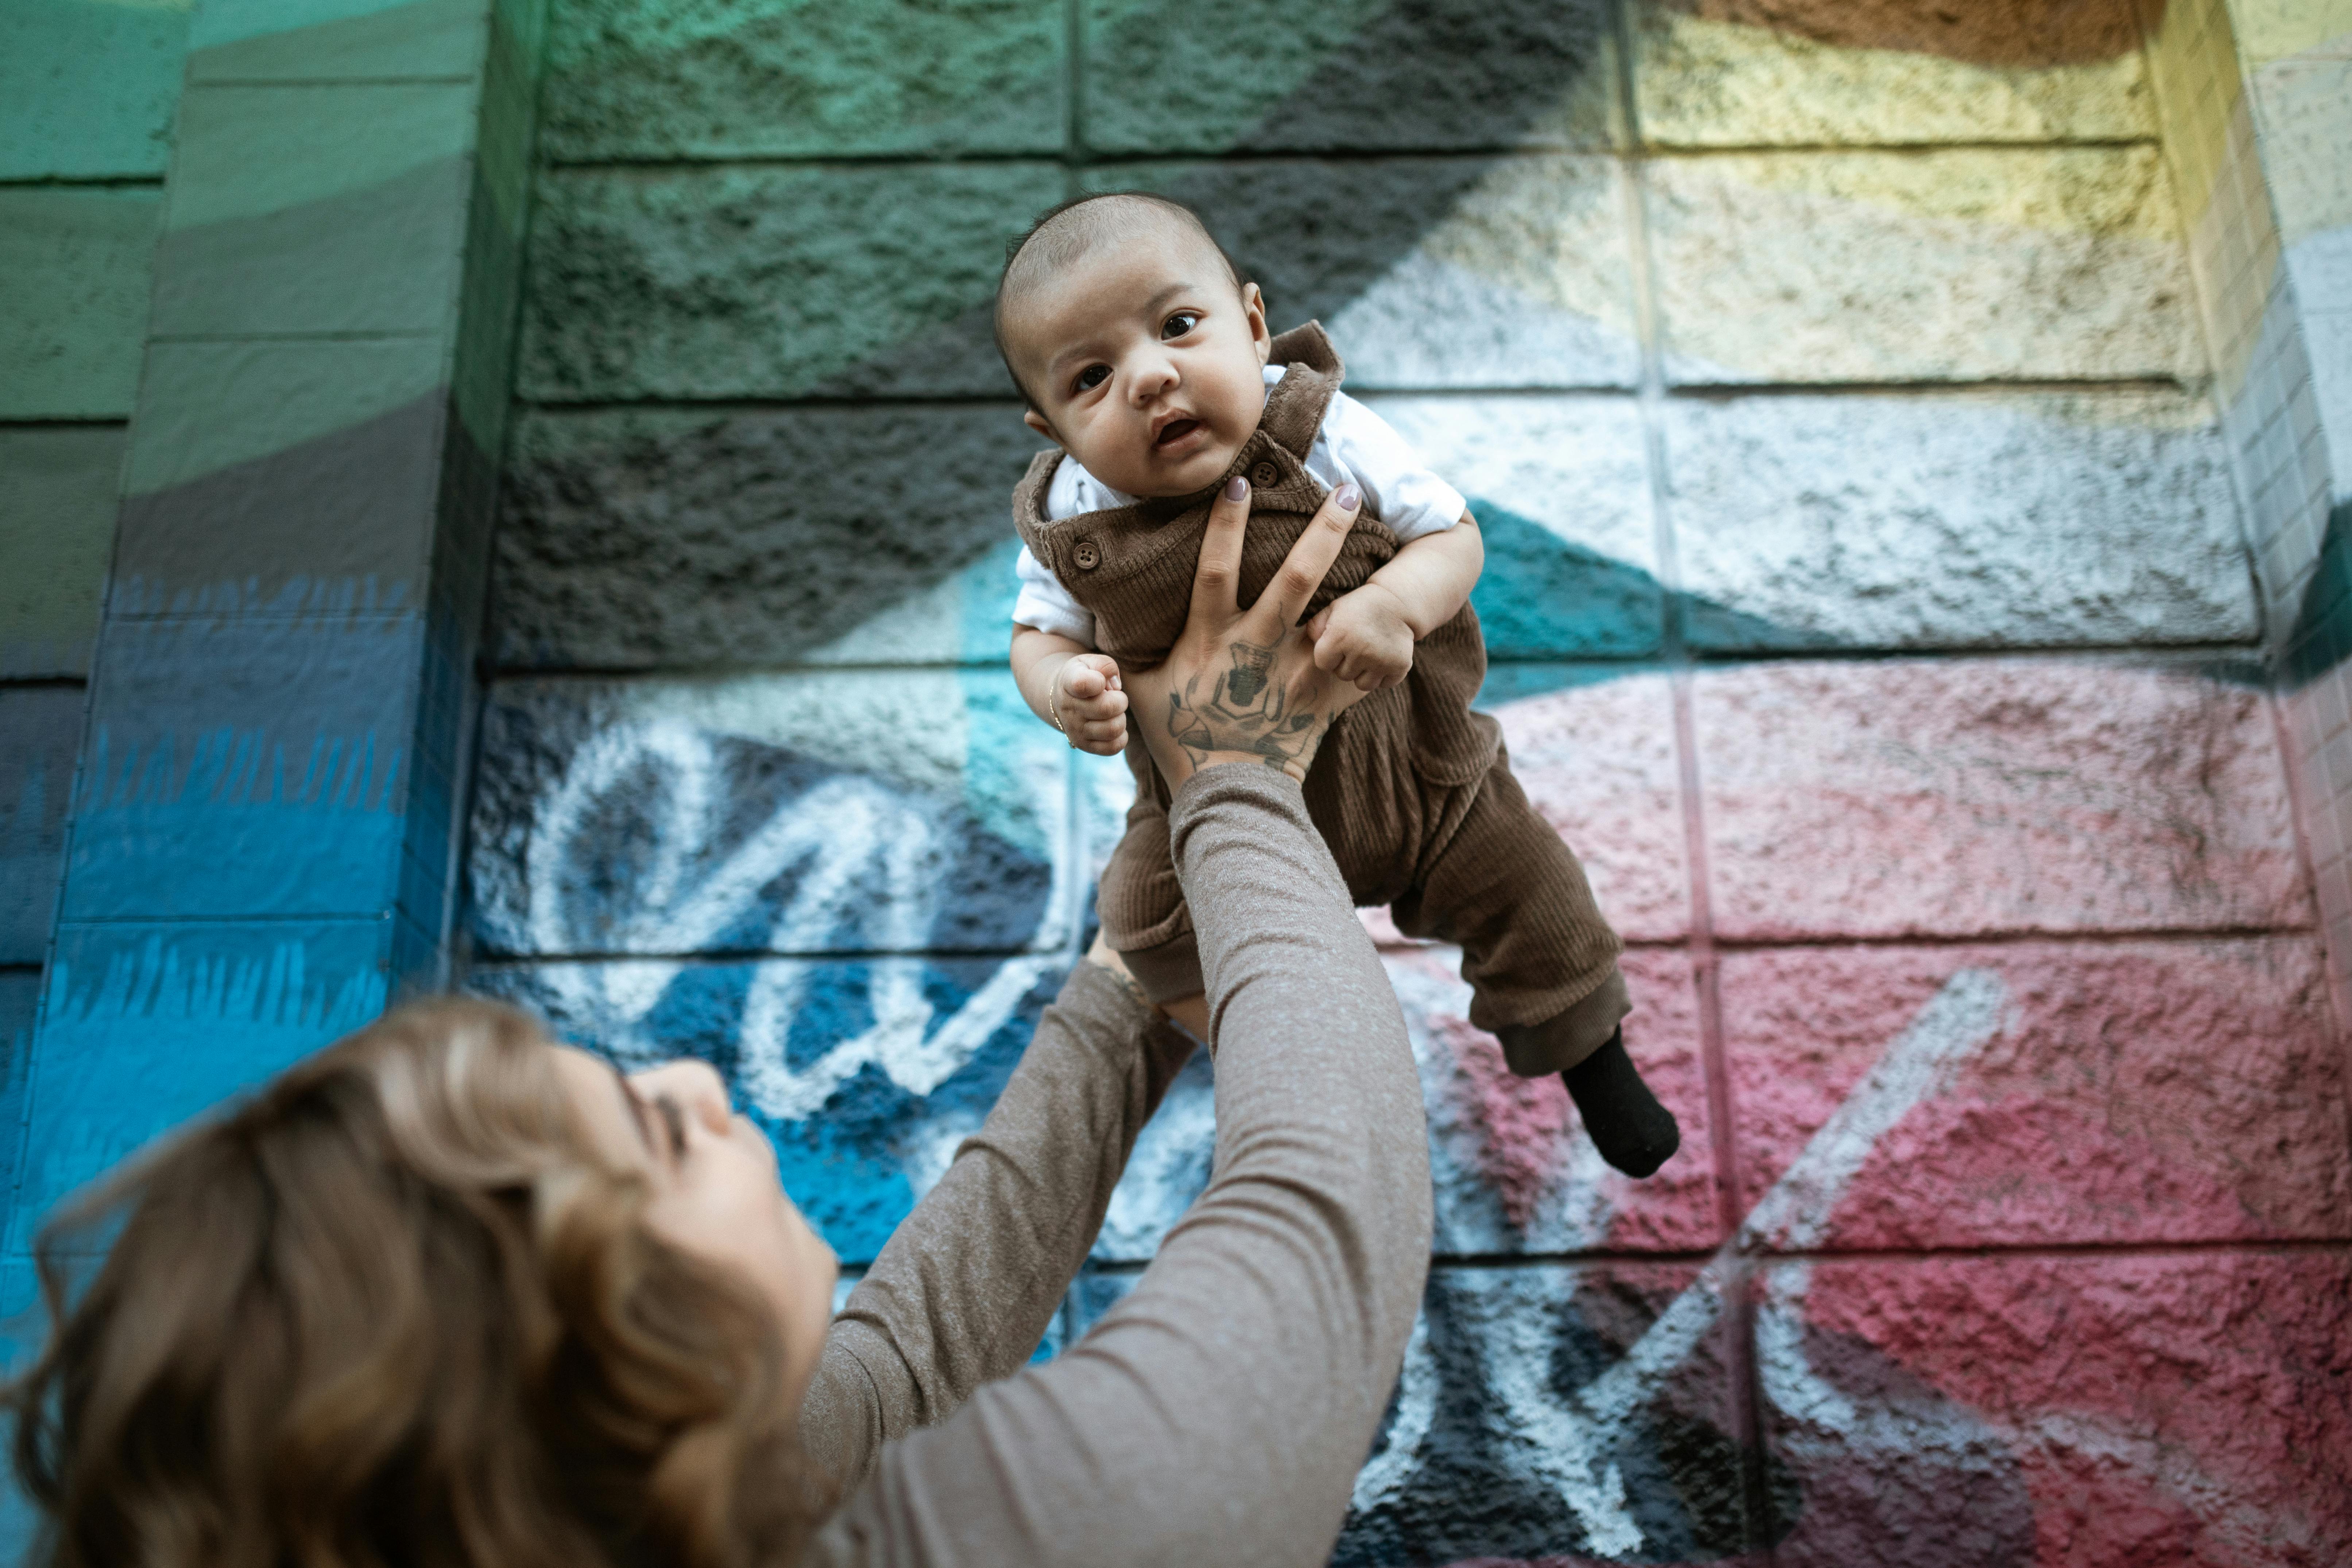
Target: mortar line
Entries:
(1737, 1328)
(1263, 153)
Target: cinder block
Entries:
(149, 1023)
(1561, 490)
(864, 1075)
(78, 264)
(1948, 265)
(1429, 272)
(856, 812)
(1559, 1416)
(239, 768)
(283, 478)
(86, 88)
(40, 735)
(335, 40)
(306, 209)
(1947, 521)
(1977, 797)
(2037, 1094)
(1348, 74)
(57, 529)
(1514, 1168)
(640, 539)
(2103, 1411)
(1597, 759)
(1727, 77)
(772, 282)
(637, 79)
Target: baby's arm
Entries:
(1367, 636)
(1072, 687)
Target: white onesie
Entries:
(1353, 444)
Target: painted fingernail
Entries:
(1237, 488)
(1348, 496)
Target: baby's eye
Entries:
(1176, 325)
(1094, 375)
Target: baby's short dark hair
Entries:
(1067, 230)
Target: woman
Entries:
(448, 1294)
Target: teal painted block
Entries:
(772, 282)
(209, 406)
(87, 88)
(74, 314)
(57, 524)
(147, 1025)
(1353, 74)
(311, 40)
(716, 79)
(316, 209)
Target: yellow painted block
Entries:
(2276, 29)
(1703, 83)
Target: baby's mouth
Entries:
(1174, 431)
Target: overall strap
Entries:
(1295, 404)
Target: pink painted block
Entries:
(2037, 1092)
(1515, 1172)
(1599, 762)
(2090, 1411)
(1991, 795)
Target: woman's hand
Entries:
(1242, 684)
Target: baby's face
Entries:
(1145, 361)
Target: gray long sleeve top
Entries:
(1219, 1414)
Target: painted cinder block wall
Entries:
(1875, 415)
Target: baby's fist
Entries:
(1362, 637)
(1090, 704)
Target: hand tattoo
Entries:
(1243, 711)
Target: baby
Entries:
(1145, 359)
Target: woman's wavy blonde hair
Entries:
(395, 1310)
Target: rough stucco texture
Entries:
(1910, 722)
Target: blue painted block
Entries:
(146, 1026)
(236, 768)
(864, 1074)
(40, 730)
(821, 814)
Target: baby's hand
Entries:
(1362, 637)
(1089, 701)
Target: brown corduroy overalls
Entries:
(1412, 790)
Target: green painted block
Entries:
(87, 88)
(1355, 75)
(74, 311)
(315, 209)
(57, 524)
(767, 282)
(683, 79)
(207, 406)
(313, 40)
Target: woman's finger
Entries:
(1217, 582)
(1302, 571)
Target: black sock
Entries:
(1631, 1129)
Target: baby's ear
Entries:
(1036, 421)
(1254, 309)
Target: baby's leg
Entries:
(1542, 964)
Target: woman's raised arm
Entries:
(1220, 1413)
(967, 1284)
